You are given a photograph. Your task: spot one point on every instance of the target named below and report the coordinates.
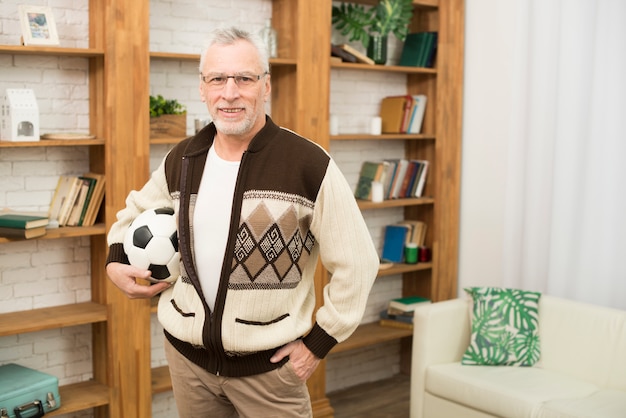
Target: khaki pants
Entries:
(200, 394)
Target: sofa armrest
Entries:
(441, 334)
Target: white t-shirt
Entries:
(211, 221)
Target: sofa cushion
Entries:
(505, 327)
(585, 341)
(514, 392)
(606, 403)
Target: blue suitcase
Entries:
(27, 393)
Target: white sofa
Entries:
(581, 372)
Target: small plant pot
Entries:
(165, 126)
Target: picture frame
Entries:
(38, 26)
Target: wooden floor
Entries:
(383, 399)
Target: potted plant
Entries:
(168, 118)
(372, 26)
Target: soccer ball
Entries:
(151, 242)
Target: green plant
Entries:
(160, 106)
(359, 23)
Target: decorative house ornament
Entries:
(20, 116)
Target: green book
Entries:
(412, 49)
(370, 171)
(15, 220)
(407, 304)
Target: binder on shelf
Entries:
(393, 246)
(394, 112)
(419, 49)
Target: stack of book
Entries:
(77, 200)
(22, 225)
(403, 114)
(401, 178)
(419, 50)
(348, 53)
(398, 235)
(400, 311)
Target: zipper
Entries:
(220, 299)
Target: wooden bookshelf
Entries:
(81, 396)
(53, 317)
(52, 143)
(370, 334)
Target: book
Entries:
(422, 178)
(411, 50)
(97, 196)
(361, 57)
(393, 245)
(406, 317)
(417, 117)
(432, 53)
(407, 304)
(394, 324)
(409, 179)
(68, 201)
(389, 175)
(416, 232)
(79, 203)
(60, 195)
(337, 51)
(426, 48)
(403, 165)
(370, 171)
(92, 185)
(24, 233)
(22, 221)
(406, 116)
(393, 112)
(419, 49)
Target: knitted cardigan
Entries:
(291, 206)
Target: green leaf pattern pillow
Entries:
(505, 327)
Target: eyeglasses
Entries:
(241, 80)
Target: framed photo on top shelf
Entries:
(38, 27)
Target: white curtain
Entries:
(564, 220)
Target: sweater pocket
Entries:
(181, 313)
(261, 323)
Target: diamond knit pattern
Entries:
(272, 247)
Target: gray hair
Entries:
(228, 36)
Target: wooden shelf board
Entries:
(178, 56)
(404, 268)
(161, 381)
(383, 137)
(394, 203)
(416, 3)
(52, 143)
(51, 50)
(50, 318)
(65, 232)
(166, 140)
(370, 334)
(81, 396)
(384, 68)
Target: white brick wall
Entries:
(55, 272)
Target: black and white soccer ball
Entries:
(151, 242)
